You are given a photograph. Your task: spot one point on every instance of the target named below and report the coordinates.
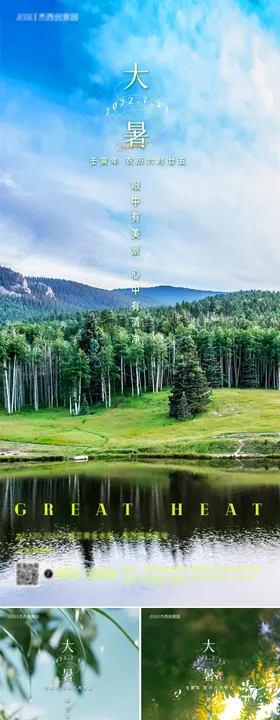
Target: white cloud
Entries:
(213, 224)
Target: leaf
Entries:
(9, 634)
(75, 630)
(77, 680)
(91, 660)
(202, 713)
(102, 612)
(85, 622)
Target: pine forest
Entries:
(81, 359)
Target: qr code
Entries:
(27, 573)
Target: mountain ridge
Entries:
(42, 295)
(164, 294)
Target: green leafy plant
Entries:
(248, 642)
(46, 631)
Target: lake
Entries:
(149, 556)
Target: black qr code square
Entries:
(27, 573)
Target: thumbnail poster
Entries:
(140, 302)
(215, 664)
(69, 664)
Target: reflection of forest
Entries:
(151, 511)
(246, 641)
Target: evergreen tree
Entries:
(75, 373)
(190, 392)
(183, 409)
(89, 331)
(84, 406)
(148, 323)
(90, 343)
(211, 367)
(249, 378)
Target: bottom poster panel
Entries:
(214, 664)
(69, 664)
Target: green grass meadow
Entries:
(142, 425)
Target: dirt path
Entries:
(238, 451)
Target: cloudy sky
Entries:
(212, 224)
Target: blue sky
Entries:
(115, 692)
(213, 224)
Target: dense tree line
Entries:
(260, 307)
(86, 358)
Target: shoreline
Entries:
(132, 456)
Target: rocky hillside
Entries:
(22, 297)
(15, 285)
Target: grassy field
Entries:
(246, 422)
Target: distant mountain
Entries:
(76, 296)
(170, 295)
(15, 285)
(23, 297)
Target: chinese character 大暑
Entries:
(136, 133)
(208, 646)
(136, 76)
(67, 675)
(67, 646)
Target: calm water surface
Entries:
(149, 557)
